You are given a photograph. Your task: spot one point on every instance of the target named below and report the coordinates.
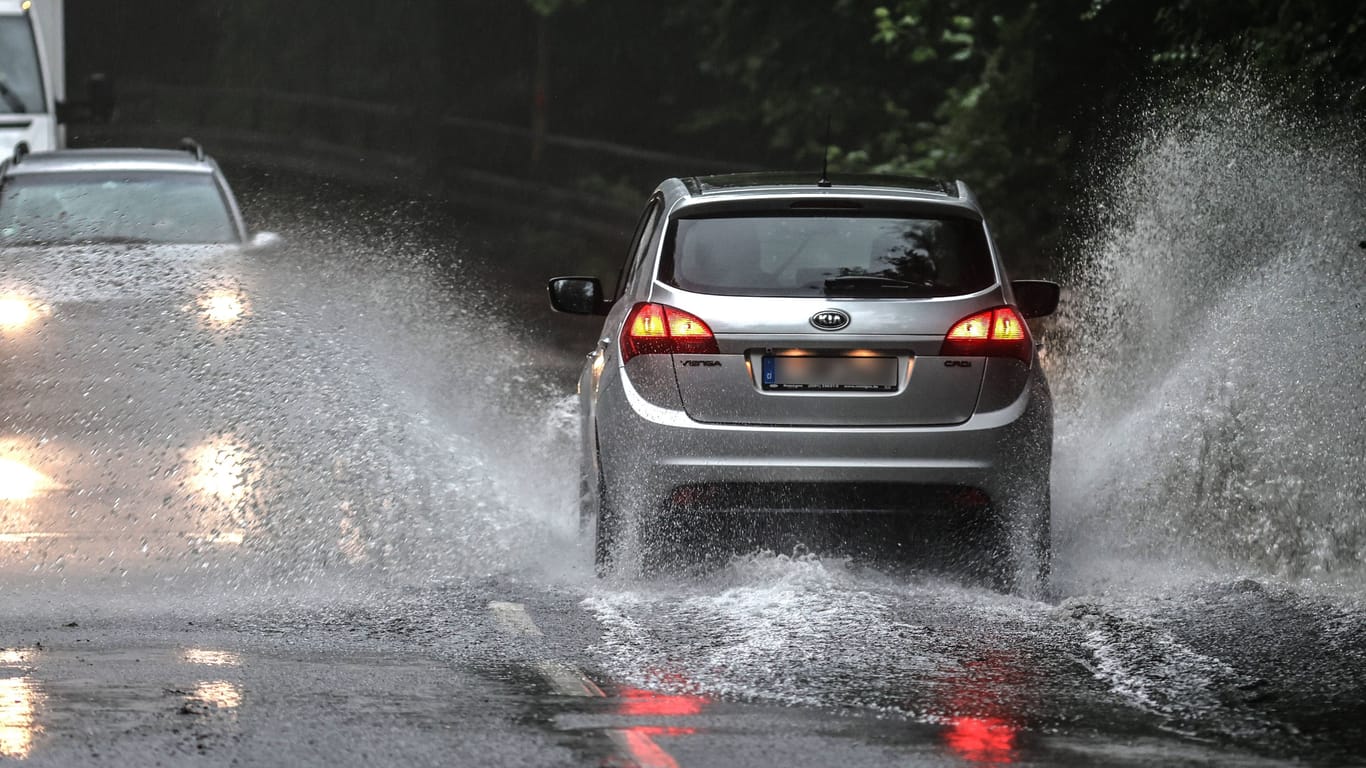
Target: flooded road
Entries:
(808, 662)
(318, 508)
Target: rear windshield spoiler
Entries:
(816, 205)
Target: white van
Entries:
(32, 74)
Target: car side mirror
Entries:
(265, 242)
(578, 296)
(1036, 298)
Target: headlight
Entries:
(222, 470)
(17, 313)
(20, 482)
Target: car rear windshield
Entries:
(827, 255)
(143, 207)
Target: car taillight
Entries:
(656, 329)
(999, 332)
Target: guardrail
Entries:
(445, 150)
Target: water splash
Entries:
(1212, 375)
(361, 408)
(465, 436)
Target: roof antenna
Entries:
(825, 162)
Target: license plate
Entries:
(847, 374)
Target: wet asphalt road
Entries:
(338, 529)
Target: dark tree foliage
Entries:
(169, 41)
(1313, 47)
(1020, 98)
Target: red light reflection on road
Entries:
(639, 744)
(982, 696)
(982, 739)
(638, 741)
(637, 701)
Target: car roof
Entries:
(787, 182)
(96, 160)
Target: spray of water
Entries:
(463, 437)
(1212, 375)
(359, 411)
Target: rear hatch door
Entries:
(828, 317)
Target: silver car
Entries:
(779, 344)
(83, 197)
(128, 292)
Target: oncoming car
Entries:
(118, 196)
(107, 227)
(781, 345)
(133, 314)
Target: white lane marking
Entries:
(568, 681)
(513, 619)
(636, 745)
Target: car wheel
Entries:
(606, 529)
(588, 502)
(1027, 542)
(1037, 559)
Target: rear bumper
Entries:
(648, 451)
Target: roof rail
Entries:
(21, 151)
(188, 144)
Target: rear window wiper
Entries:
(878, 284)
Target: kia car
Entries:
(786, 345)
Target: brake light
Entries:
(999, 332)
(656, 329)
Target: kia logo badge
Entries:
(830, 319)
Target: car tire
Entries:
(588, 502)
(1026, 541)
(1037, 559)
(606, 529)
